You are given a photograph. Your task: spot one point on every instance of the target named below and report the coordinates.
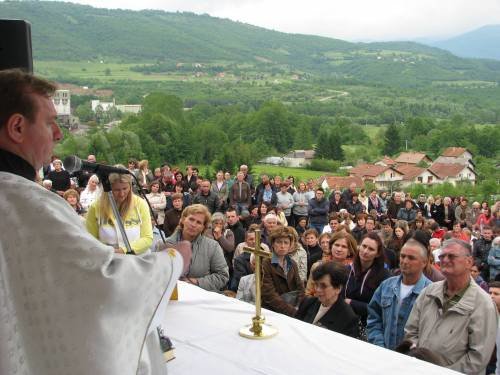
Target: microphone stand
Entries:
(104, 178)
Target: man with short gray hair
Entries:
(393, 300)
(455, 318)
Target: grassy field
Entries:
(299, 174)
(105, 71)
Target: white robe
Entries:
(68, 303)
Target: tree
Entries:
(271, 122)
(392, 140)
(302, 139)
(335, 143)
(322, 145)
(84, 112)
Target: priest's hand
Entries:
(119, 251)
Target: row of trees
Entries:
(428, 135)
(226, 136)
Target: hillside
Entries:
(480, 43)
(70, 32)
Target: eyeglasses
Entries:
(451, 257)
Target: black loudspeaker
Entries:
(15, 45)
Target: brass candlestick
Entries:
(258, 330)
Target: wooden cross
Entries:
(258, 329)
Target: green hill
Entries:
(65, 31)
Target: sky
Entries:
(352, 20)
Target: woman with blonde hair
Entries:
(134, 213)
(91, 192)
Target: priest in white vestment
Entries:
(68, 303)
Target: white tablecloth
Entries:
(204, 326)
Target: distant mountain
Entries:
(66, 31)
(480, 43)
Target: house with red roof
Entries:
(456, 155)
(383, 177)
(417, 175)
(453, 173)
(412, 158)
(339, 182)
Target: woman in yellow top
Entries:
(134, 212)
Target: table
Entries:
(204, 326)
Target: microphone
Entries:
(74, 164)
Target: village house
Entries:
(453, 173)
(383, 177)
(62, 104)
(417, 175)
(385, 161)
(456, 155)
(412, 158)
(298, 158)
(332, 183)
(124, 108)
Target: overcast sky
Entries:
(352, 20)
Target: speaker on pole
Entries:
(15, 45)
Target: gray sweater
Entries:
(285, 202)
(208, 264)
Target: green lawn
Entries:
(300, 174)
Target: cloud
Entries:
(343, 19)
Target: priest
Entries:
(68, 303)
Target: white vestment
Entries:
(68, 303)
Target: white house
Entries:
(124, 108)
(416, 175)
(453, 173)
(456, 155)
(384, 177)
(298, 158)
(62, 102)
(105, 106)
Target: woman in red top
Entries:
(485, 218)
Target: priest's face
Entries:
(40, 135)
(120, 190)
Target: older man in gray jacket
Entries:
(455, 318)
(208, 268)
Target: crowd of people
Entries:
(411, 275)
(389, 269)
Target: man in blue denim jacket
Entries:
(393, 300)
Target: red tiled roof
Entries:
(454, 152)
(443, 170)
(411, 157)
(370, 170)
(410, 171)
(387, 160)
(362, 170)
(337, 182)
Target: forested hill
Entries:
(66, 31)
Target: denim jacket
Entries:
(494, 261)
(386, 319)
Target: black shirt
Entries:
(13, 163)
